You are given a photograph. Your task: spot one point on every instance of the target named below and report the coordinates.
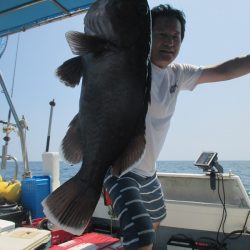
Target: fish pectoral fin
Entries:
(71, 144)
(131, 154)
(71, 71)
(81, 43)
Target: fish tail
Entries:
(71, 206)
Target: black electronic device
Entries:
(183, 242)
(206, 160)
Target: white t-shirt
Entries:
(166, 85)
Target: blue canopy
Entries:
(20, 15)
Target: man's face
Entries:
(166, 41)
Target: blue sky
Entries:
(213, 117)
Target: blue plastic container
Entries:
(34, 190)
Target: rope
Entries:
(14, 75)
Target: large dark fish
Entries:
(109, 130)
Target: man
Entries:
(137, 197)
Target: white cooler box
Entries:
(24, 238)
(6, 225)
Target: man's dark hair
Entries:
(166, 10)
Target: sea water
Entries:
(240, 168)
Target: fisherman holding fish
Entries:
(124, 114)
(136, 195)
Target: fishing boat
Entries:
(205, 211)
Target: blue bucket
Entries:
(34, 190)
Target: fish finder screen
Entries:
(205, 159)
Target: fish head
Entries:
(120, 22)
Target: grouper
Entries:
(113, 61)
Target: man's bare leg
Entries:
(148, 247)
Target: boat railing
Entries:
(196, 188)
(205, 204)
(22, 127)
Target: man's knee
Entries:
(148, 247)
(156, 225)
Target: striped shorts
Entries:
(138, 202)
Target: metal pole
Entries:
(52, 105)
(21, 128)
(8, 124)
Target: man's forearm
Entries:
(230, 69)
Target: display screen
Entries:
(205, 159)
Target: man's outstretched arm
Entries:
(228, 70)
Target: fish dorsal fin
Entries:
(130, 155)
(71, 143)
(71, 71)
(81, 43)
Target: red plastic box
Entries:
(60, 236)
(98, 241)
